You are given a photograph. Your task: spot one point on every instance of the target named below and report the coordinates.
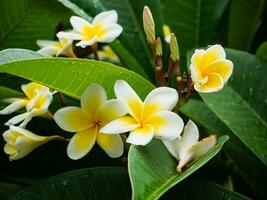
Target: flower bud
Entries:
(20, 142)
(149, 25)
(175, 56)
(159, 47)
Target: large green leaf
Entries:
(25, 21)
(199, 112)
(198, 189)
(8, 189)
(133, 37)
(262, 52)
(244, 19)
(95, 183)
(152, 168)
(241, 105)
(9, 55)
(194, 22)
(72, 76)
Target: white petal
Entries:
(195, 152)
(23, 146)
(78, 23)
(214, 84)
(46, 43)
(106, 17)
(48, 51)
(120, 125)
(162, 98)
(81, 143)
(92, 98)
(167, 125)
(112, 32)
(72, 119)
(127, 95)
(189, 138)
(30, 89)
(19, 118)
(173, 146)
(213, 53)
(110, 110)
(111, 144)
(202, 147)
(141, 136)
(44, 96)
(13, 107)
(70, 35)
(27, 133)
(85, 43)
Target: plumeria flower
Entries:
(37, 100)
(210, 70)
(153, 117)
(95, 112)
(167, 33)
(20, 142)
(108, 54)
(104, 28)
(56, 48)
(188, 149)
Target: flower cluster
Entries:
(101, 120)
(36, 101)
(104, 29)
(20, 141)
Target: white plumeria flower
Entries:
(95, 112)
(210, 70)
(188, 149)
(37, 100)
(153, 117)
(20, 142)
(167, 33)
(104, 28)
(56, 48)
(108, 54)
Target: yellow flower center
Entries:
(95, 30)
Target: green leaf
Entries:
(8, 189)
(25, 21)
(262, 52)
(199, 112)
(92, 183)
(152, 168)
(194, 22)
(198, 189)
(244, 18)
(241, 105)
(132, 40)
(7, 93)
(72, 76)
(9, 55)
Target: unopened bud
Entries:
(159, 47)
(175, 56)
(149, 25)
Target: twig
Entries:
(94, 49)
